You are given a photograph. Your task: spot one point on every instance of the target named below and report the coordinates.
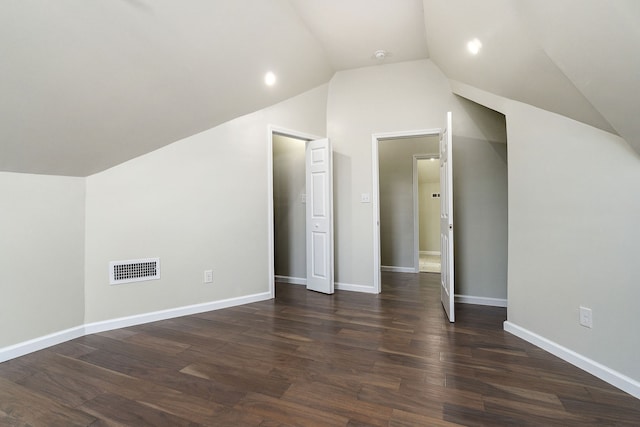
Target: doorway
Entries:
(407, 258)
(299, 210)
(427, 208)
(289, 199)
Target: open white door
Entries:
(446, 220)
(319, 187)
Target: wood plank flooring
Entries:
(307, 359)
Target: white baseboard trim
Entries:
(40, 343)
(470, 299)
(154, 316)
(337, 285)
(355, 288)
(397, 269)
(605, 373)
(430, 253)
(292, 280)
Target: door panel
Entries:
(447, 293)
(319, 214)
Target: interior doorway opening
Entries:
(423, 142)
(400, 201)
(299, 210)
(289, 199)
(427, 208)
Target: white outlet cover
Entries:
(208, 276)
(365, 198)
(586, 317)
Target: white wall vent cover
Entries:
(134, 270)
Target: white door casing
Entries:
(319, 216)
(447, 294)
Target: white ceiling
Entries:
(352, 30)
(85, 85)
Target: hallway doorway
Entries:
(427, 201)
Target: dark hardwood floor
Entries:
(349, 359)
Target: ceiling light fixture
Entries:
(380, 54)
(270, 79)
(474, 46)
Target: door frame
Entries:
(416, 207)
(276, 130)
(375, 156)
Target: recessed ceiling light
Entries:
(474, 46)
(270, 79)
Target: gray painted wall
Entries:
(199, 203)
(574, 206)
(429, 212)
(41, 255)
(573, 236)
(480, 217)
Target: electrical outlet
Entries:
(586, 317)
(365, 198)
(208, 276)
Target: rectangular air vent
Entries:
(134, 270)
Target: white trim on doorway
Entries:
(271, 130)
(375, 139)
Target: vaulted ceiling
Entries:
(85, 85)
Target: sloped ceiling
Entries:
(511, 62)
(85, 85)
(596, 44)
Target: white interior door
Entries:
(319, 187)
(446, 221)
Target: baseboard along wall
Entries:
(394, 269)
(615, 378)
(470, 299)
(291, 280)
(40, 343)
